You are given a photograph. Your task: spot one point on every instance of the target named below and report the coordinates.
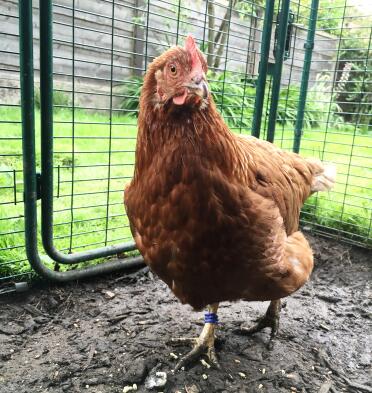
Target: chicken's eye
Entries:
(173, 69)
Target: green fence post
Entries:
(309, 45)
(46, 111)
(262, 68)
(28, 125)
(277, 74)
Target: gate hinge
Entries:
(287, 46)
(38, 185)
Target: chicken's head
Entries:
(179, 75)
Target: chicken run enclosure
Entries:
(297, 73)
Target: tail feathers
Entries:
(325, 180)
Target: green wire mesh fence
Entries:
(101, 50)
(338, 116)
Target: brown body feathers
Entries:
(215, 214)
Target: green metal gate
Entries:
(272, 74)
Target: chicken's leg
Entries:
(270, 320)
(204, 344)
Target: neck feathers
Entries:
(192, 131)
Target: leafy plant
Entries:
(234, 98)
(130, 92)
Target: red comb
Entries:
(190, 46)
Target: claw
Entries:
(203, 345)
(270, 320)
(183, 340)
(197, 352)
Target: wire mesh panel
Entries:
(100, 52)
(13, 261)
(93, 139)
(338, 113)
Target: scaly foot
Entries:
(203, 345)
(270, 320)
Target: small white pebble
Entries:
(260, 386)
(86, 386)
(127, 389)
(204, 363)
(329, 372)
(173, 356)
(312, 367)
(263, 370)
(236, 360)
(205, 376)
(134, 386)
(283, 372)
(109, 294)
(242, 375)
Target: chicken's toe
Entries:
(200, 349)
(270, 320)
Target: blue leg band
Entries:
(210, 317)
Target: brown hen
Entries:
(214, 214)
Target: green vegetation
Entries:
(87, 167)
(353, 88)
(85, 173)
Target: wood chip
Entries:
(326, 386)
(204, 363)
(192, 389)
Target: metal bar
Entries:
(262, 68)
(29, 170)
(277, 75)
(72, 126)
(110, 125)
(309, 46)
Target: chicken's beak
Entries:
(199, 88)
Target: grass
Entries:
(347, 208)
(83, 173)
(94, 216)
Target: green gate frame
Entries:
(29, 165)
(35, 189)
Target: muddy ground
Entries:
(108, 334)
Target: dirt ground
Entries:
(110, 335)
